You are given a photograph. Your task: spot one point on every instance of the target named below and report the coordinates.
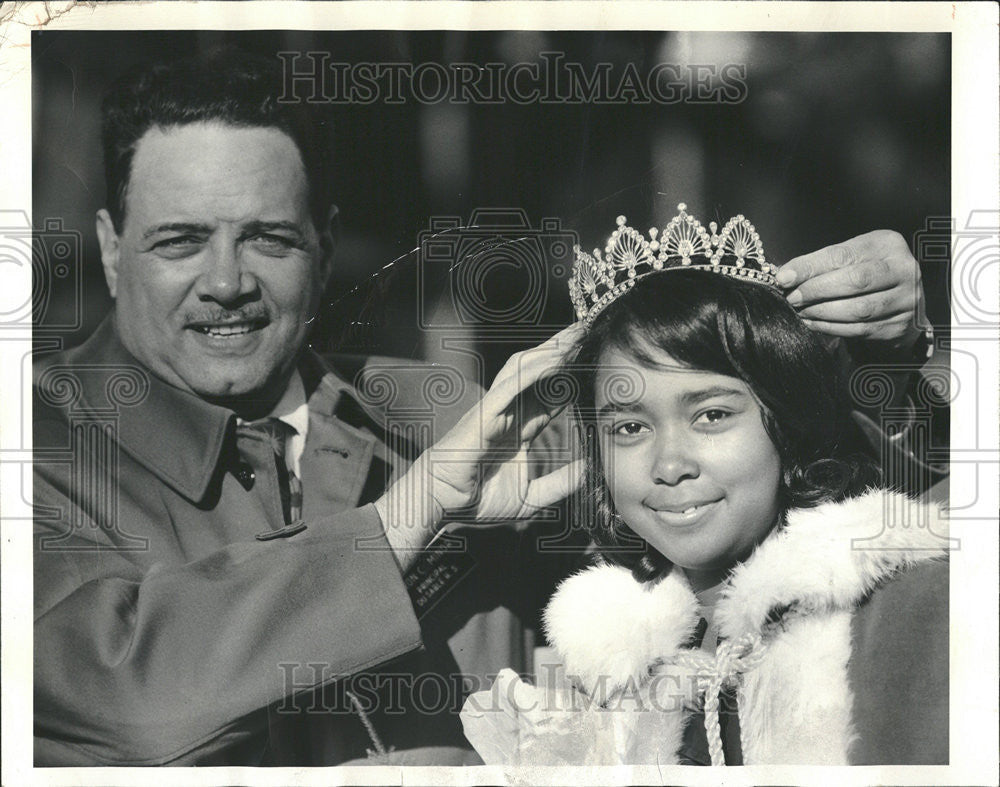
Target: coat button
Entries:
(245, 475)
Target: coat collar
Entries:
(174, 434)
(610, 629)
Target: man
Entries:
(218, 564)
(173, 637)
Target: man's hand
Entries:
(480, 468)
(866, 290)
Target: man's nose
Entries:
(224, 278)
(675, 460)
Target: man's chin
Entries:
(227, 391)
(249, 405)
(241, 393)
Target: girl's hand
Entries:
(480, 469)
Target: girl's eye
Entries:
(714, 416)
(628, 428)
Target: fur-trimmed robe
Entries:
(851, 601)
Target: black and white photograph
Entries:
(477, 393)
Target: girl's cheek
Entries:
(622, 469)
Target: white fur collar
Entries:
(606, 625)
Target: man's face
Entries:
(218, 268)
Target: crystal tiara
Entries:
(684, 243)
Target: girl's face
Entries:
(688, 463)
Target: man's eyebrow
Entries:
(256, 227)
(177, 226)
(700, 395)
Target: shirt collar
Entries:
(292, 408)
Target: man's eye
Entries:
(273, 243)
(178, 246)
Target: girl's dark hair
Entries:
(709, 321)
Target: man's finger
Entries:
(558, 347)
(496, 417)
(800, 269)
(536, 423)
(874, 307)
(520, 377)
(870, 276)
(552, 487)
(885, 330)
(492, 414)
(525, 369)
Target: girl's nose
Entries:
(674, 461)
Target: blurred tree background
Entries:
(834, 135)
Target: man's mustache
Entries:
(218, 316)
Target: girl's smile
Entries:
(682, 515)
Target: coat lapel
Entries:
(336, 462)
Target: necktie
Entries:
(276, 432)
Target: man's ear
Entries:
(107, 237)
(329, 237)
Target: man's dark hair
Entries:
(708, 321)
(225, 85)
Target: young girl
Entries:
(757, 593)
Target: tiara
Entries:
(628, 256)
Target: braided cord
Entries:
(731, 659)
(372, 734)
